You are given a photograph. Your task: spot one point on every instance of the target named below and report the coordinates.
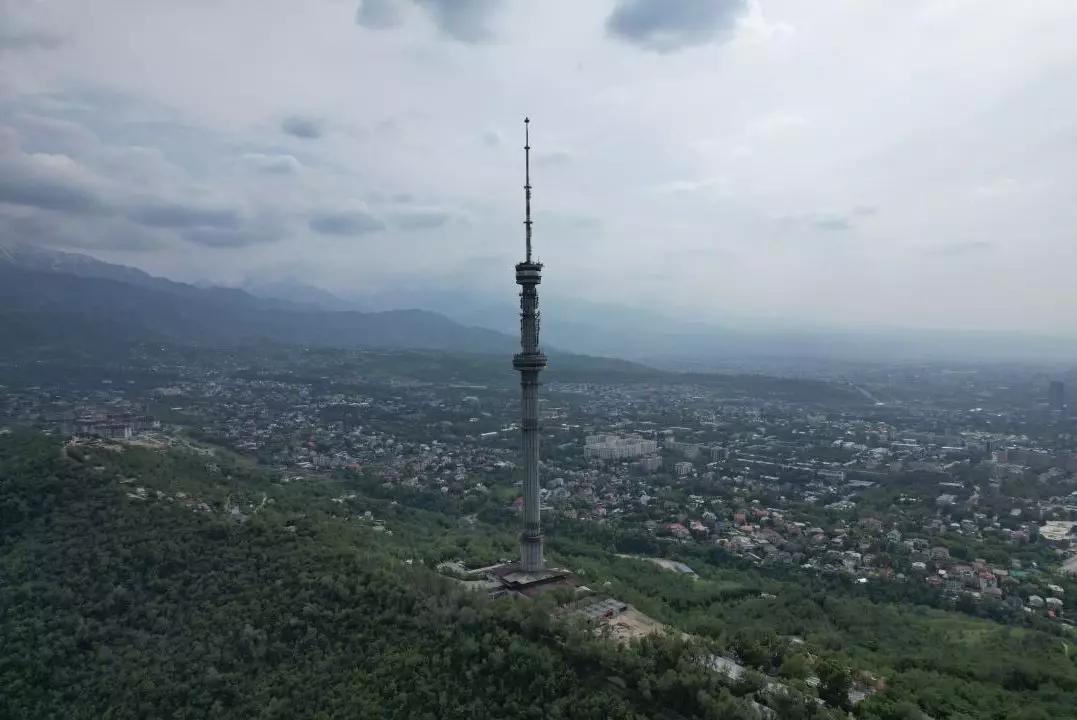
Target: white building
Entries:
(615, 447)
(688, 450)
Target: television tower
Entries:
(529, 362)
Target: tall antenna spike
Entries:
(527, 184)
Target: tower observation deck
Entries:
(529, 362)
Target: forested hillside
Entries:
(120, 603)
(138, 582)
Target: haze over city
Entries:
(829, 163)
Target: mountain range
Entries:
(44, 290)
(300, 294)
(89, 310)
(609, 329)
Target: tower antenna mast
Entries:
(527, 184)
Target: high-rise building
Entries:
(529, 362)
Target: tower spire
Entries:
(527, 184)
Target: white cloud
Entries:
(727, 172)
(273, 164)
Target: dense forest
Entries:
(120, 604)
(152, 583)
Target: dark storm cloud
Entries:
(466, 21)
(378, 14)
(48, 229)
(46, 182)
(119, 232)
(300, 126)
(345, 223)
(670, 25)
(57, 200)
(49, 194)
(180, 216)
(145, 228)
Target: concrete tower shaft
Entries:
(529, 362)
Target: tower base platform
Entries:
(515, 581)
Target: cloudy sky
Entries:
(838, 161)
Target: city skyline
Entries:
(733, 163)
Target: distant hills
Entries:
(16, 257)
(298, 293)
(643, 335)
(46, 295)
(129, 303)
(91, 309)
